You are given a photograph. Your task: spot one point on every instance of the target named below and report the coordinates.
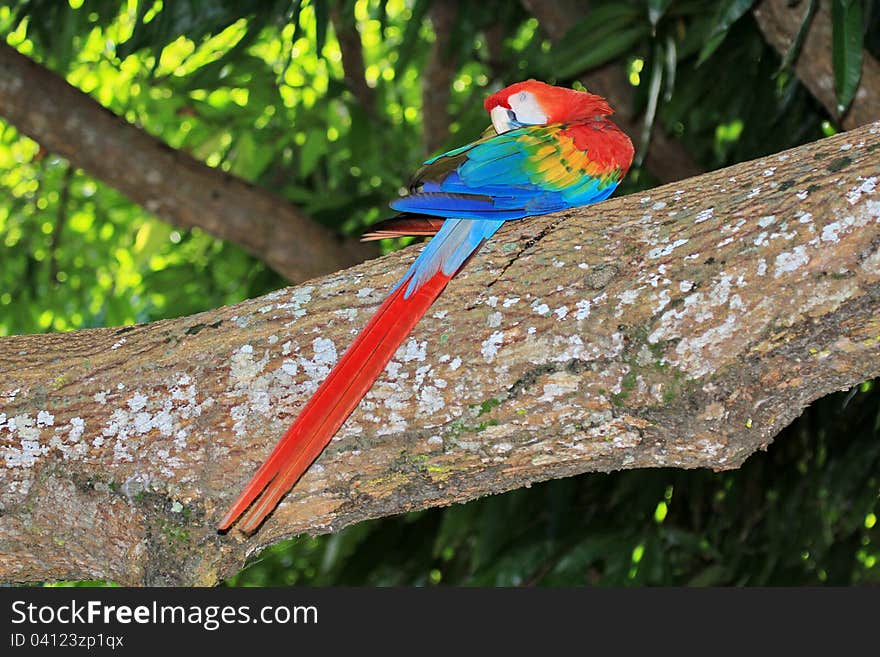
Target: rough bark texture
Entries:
(666, 158)
(780, 20)
(681, 328)
(168, 183)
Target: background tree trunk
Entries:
(780, 20)
(681, 328)
(439, 74)
(352, 51)
(169, 183)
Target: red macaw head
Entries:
(537, 103)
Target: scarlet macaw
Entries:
(548, 149)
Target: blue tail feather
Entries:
(448, 250)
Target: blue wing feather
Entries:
(490, 180)
(476, 188)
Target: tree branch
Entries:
(682, 328)
(666, 158)
(168, 183)
(779, 21)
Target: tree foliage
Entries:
(261, 90)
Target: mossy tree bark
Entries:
(680, 328)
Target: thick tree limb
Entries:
(666, 158)
(168, 183)
(682, 328)
(779, 20)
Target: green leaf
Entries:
(594, 40)
(728, 13)
(671, 65)
(656, 9)
(796, 45)
(149, 240)
(214, 74)
(654, 87)
(846, 49)
(568, 64)
(600, 22)
(360, 136)
(714, 575)
(250, 158)
(194, 19)
(311, 152)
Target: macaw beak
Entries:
(500, 120)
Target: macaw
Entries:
(548, 149)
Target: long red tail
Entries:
(333, 402)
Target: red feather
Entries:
(333, 402)
(560, 104)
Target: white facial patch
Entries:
(526, 107)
